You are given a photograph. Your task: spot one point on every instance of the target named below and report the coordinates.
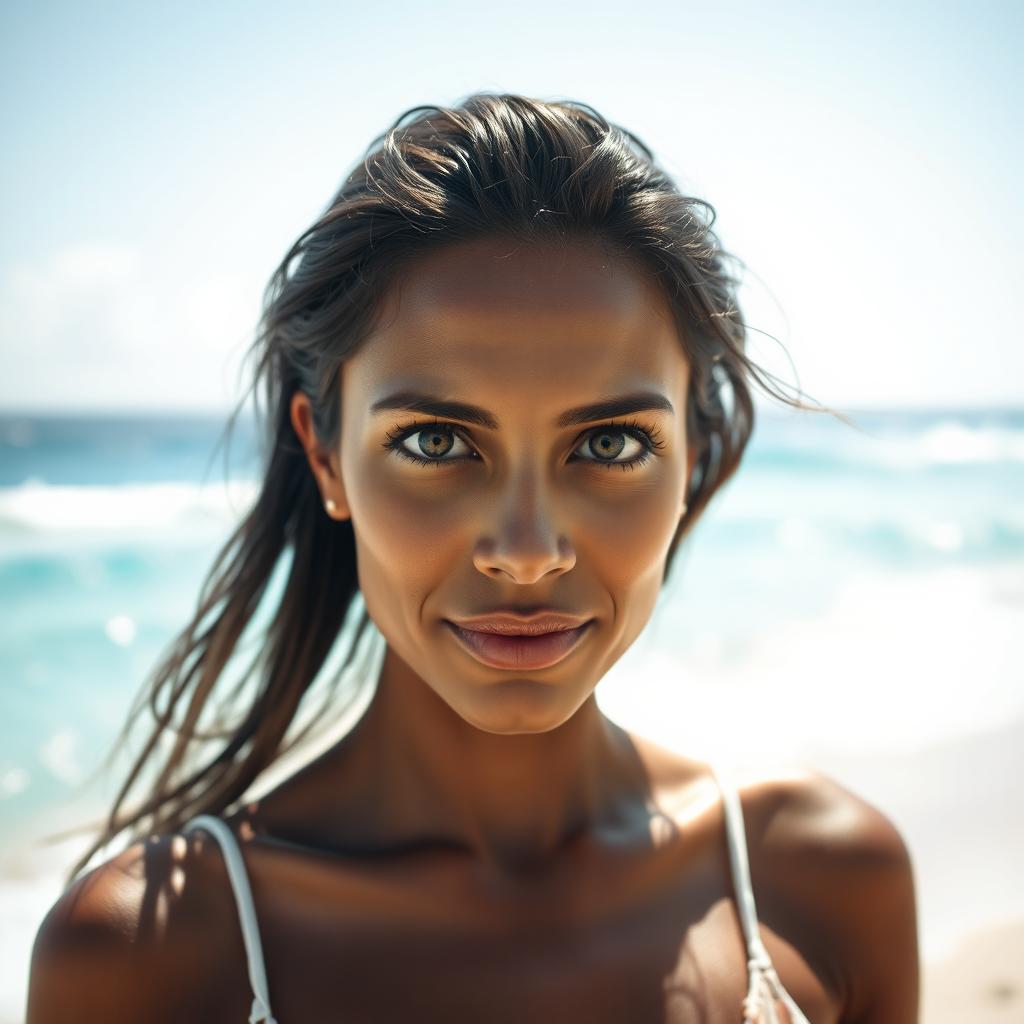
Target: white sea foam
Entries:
(951, 442)
(70, 511)
(943, 442)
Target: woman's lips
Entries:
(519, 652)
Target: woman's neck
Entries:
(413, 772)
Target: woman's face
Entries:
(533, 511)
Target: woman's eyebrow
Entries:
(431, 405)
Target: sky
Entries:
(160, 159)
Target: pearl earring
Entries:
(330, 506)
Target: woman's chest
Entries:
(638, 974)
(428, 946)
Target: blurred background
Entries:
(853, 600)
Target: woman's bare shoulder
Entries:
(119, 943)
(805, 806)
(841, 870)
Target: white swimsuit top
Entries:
(765, 986)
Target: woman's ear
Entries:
(325, 465)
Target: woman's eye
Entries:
(625, 446)
(429, 445)
(614, 446)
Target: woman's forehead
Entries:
(495, 276)
(489, 313)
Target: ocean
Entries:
(852, 596)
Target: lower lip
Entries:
(519, 652)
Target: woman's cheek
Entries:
(403, 524)
(630, 526)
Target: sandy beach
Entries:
(981, 983)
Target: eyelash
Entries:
(648, 435)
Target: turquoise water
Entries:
(108, 525)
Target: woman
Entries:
(505, 375)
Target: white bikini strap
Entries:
(765, 985)
(260, 1013)
(737, 838)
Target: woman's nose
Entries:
(527, 543)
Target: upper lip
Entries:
(513, 623)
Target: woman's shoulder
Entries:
(135, 938)
(800, 808)
(788, 811)
(829, 870)
(830, 864)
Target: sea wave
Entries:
(944, 442)
(36, 507)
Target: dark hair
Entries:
(495, 164)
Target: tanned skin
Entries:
(485, 845)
